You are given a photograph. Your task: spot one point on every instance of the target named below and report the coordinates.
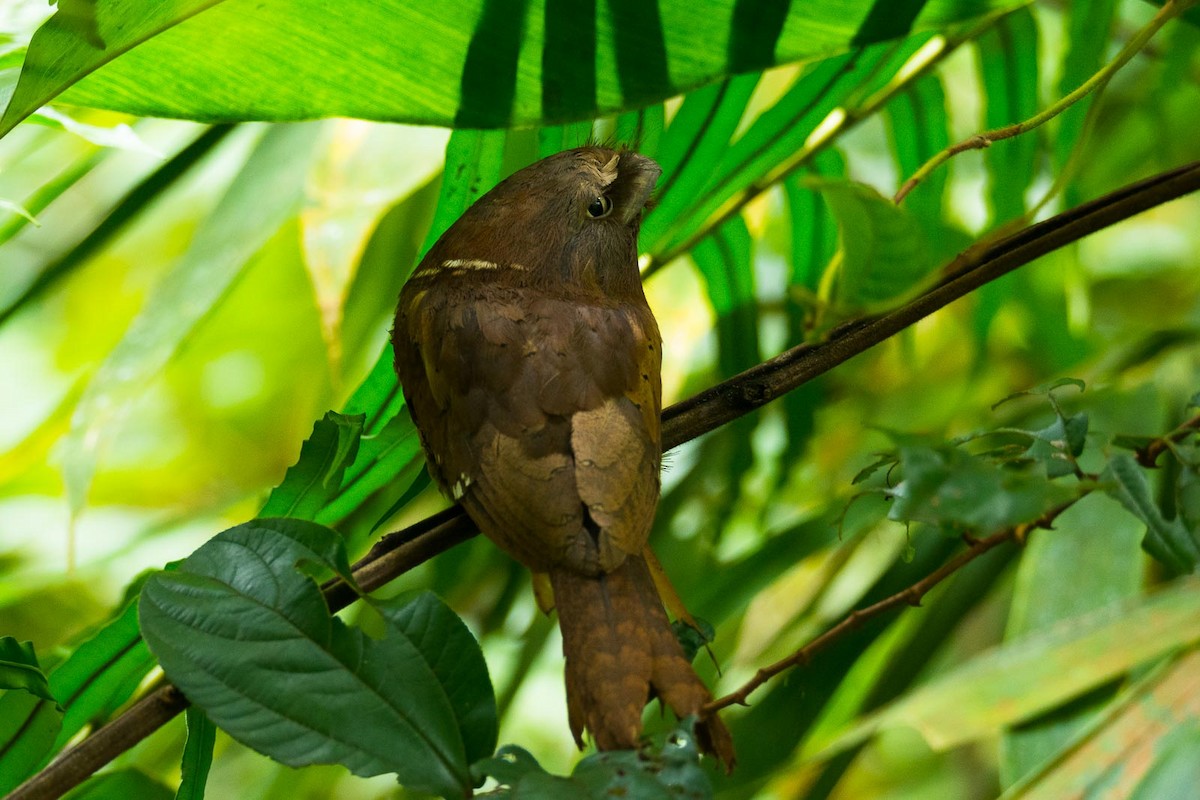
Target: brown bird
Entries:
(530, 362)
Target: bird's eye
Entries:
(600, 207)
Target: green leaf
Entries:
(197, 755)
(886, 251)
(102, 673)
(945, 486)
(468, 64)
(245, 634)
(390, 458)
(1099, 547)
(919, 128)
(1169, 541)
(316, 476)
(268, 191)
(671, 771)
(122, 783)
(19, 669)
(120, 136)
(29, 716)
(1008, 56)
(1042, 389)
(1023, 678)
(1154, 726)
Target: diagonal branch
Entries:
(401, 551)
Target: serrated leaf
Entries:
(249, 639)
(317, 474)
(1167, 540)
(389, 458)
(197, 755)
(945, 486)
(1057, 445)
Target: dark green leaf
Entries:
(692, 639)
(316, 477)
(245, 634)
(1167, 540)
(197, 755)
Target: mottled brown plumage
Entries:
(530, 362)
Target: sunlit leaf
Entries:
(1022, 678)
(472, 64)
(121, 783)
(268, 191)
(1146, 743)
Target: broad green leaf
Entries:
(129, 783)
(471, 64)
(1008, 55)
(1144, 746)
(244, 633)
(268, 191)
(80, 38)
(197, 755)
(1167, 540)
(1023, 678)
(886, 251)
(29, 716)
(316, 477)
(1099, 547)
(101, 674)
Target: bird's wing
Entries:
(540, 414)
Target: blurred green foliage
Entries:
(193, 297)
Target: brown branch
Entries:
(1148, 455)
(910, 596)
(400, 551)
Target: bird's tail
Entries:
(620, 650)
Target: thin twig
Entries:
(910, 596)
(980, 141)
(704, 412)
(1148, 455)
